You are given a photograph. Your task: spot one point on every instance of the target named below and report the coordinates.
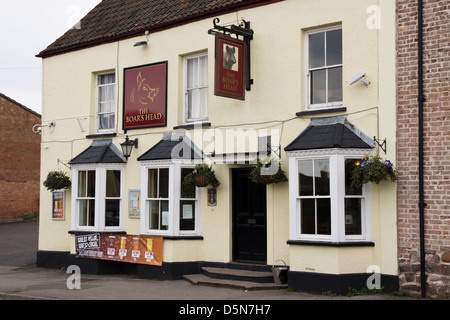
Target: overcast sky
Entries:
(26, 28)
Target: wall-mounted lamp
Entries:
(142, 43)
(127, 146)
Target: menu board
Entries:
(118, 247)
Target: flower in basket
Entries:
(57, 180)
(373, 169)
(268, 171)
(201, 176)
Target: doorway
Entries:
(249, 218)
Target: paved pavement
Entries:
(20, 279)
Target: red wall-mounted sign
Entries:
(145, 96)
(229, 73)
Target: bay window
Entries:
(97, 198)
(169, 208)
(323, 204)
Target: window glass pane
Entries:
(112, 212)
(81, 183)
(86, 212)
(164, 220)
(91, 184)
(152, 183)
(317, 50)
(153, 214)
(334, 47)
(113, 183)
(335, 84)
(203, 65)
(318, 86)
(187, 215)
(106, 121)
(353, 216)
(350, 164)
(308, 216)
(186, 193)
(305, 178)
(107, 78)
(164, 183)
(322, 177)
(324, 216)
(106, 93)
(192, 72)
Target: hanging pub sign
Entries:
(230, 66)
(145, 96)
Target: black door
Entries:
(249, 218)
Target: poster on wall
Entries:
(229, 70)
(120, 247)
(134, 208)
(58, 205)
(145, 96)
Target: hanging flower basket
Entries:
(201, 176)
(57, 180)
(373, 169)
(257, 175)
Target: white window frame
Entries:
(336, 159)
(97, 102)
(327, 105)
(100, 197)
(205, 116)
(174, 200)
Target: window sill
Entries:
(167, 237)
(332, 244)
(77, 232)
(193, 125)
(101, 135)
(320, 111)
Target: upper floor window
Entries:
(196, 87)
(106, 102)
(324, 66)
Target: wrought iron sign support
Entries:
(381, 143)
(244, 31)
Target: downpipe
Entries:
(421, 99)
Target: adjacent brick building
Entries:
(19, 160)
(436, 143)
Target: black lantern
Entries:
(127, 146)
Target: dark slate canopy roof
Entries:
(100, 151)
(331, 132)
(173, 146)
(112, 20)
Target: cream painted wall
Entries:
(278, 93)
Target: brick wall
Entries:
(19, 160)
(436, 52)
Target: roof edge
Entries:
(156, 28)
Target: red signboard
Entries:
(117, 247)
(229, 73)
(145, 96)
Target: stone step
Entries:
(238, 274)
(201, 279)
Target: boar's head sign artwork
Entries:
(229, 73)
(145, 96)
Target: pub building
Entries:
(277, 102)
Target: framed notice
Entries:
(229, 70)
(134, 206)
(58, 198)
(145, 96)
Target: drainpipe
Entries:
(421, 99)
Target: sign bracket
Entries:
(243, 30)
